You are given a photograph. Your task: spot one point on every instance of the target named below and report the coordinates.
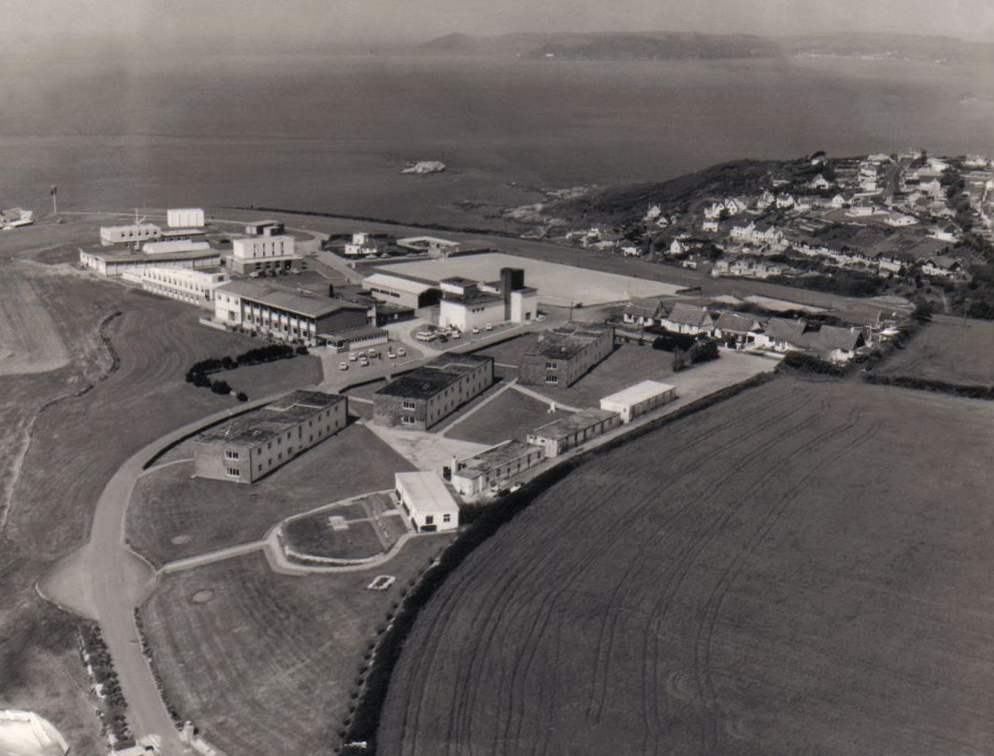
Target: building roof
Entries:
(24, 733)
(474, 298)
(169, 247)
(428, 380)
(833, 337)
(782, 329)
(359, 332)
(398, 283)
(264, 424)
(116, 256)
(495, 456)
(647, 307)
(427, 492)
(300, 303)
(566, 341)
(737, 322)
(567, 426)
(692, 315)
(167, 232)
(637, 393)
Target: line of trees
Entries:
(113, 712)
(200, 372)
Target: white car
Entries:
(363, 362)
(343, 366)
(490, 326)
(401, 352)
(391, 355)
(353, 357)
(475, 329)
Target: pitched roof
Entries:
(301, 303)
(692, 315)
(736, 322)
(833, 337)
(781, 329)
(646, 307)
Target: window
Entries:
(429, 519)
(552, 379)
(550, 366)
(233, 472)
(408, 405)
(407, 420)
(231, 455)
(446, 518)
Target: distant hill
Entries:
(888, 46)
(610, 45)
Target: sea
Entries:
(330, 133)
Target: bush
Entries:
(221, 387)
(809, 364)
(241, 396)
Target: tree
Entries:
(922, 312)
(241, 396)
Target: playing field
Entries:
(265, 664)
(557, 284)
(173, 515)
(952, 350)
(801, 569)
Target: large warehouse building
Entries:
(562, 356)
(297, 317)
(248, 447)
(118, 263)
(402, 290)
(419, 399)
(470, 304)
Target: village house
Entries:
(644, 311)
(689, 319)
(737, 329)
(782, 335)
(834, 343)
(943, 266)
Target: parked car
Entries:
(475, 329)
(391, 355)
(490, 326)
(353, 357)
(373, 353)
(343, 366)
(401, 352)
(363, 362)
(456, 335)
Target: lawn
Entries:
(173, 515)
(627, 365)
(804, 568)
(314, 536)
(264, 663)
(510, 415)
(274, 377)
(952, 350)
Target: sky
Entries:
(258, 22)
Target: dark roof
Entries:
(646, 307)
(566, 341)
(495, 457)
(426, 381)
(736, 322)
(117, 256)
(781, 329)
(690, 315)
(277, 417)
(301, 303)
(476, 297)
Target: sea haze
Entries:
(331, 133)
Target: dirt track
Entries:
(784, 573)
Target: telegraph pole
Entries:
(55, 199)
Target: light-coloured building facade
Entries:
(132, 233)
(195, 287)
(250, 446)
(429, 505)
(172, 247)
(408, 292)
(493, 467)
(559, 436)
(115, 264)
(262, 253)
(185, 217)
(639, 399)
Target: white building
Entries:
(133, 233)
(409, 292)
(172, 247)
(431, 244)
(493, 467)
(262, 252)
(191, 286)
(113, 263)
(185, 217)
(427, 502)
(362, 245)
(639, 399)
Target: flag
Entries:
(54, 190)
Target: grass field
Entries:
(374, 525)
(173, 515)
(267, 663)
(510, 415)
(801, 569)
(29, 341)
(274, 377)
(948, 349)
(556, 283)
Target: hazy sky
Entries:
(249, 21)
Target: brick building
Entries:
(562, 356)
(421, 398)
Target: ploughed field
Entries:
(952, 350)
(804, 568)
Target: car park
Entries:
(353, 357)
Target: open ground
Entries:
(510, 415)
(174, 515)
(952, 350)
(264, 663)
(556, 283)
(800, 569)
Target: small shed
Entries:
(636, 400)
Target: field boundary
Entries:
(963, 390)
(364, 725)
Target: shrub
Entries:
(241, 396)
(221, 387)
(809, 364)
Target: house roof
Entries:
(736, 322)
(833, 337)
(692, 315)
(646, 307)
(782, 329)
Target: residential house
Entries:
(689, 319)
(737, 328)
(943, 266)
(644, 311)
(782, 335)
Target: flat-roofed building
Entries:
(419, 399)
(364, 244)
(194, 287)
(262, 253)
(470, 304)
(567, 433)
(169, 247)
(133, 233)
(409, 292)
(185, 217)
(561, 356)
(431, 244)
(264, 228)
(639, 399)
(429, 505)
(293, 316)
(491, 468)
(113, 263)
(245, 448)
(183, 234)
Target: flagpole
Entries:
(55, 200)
